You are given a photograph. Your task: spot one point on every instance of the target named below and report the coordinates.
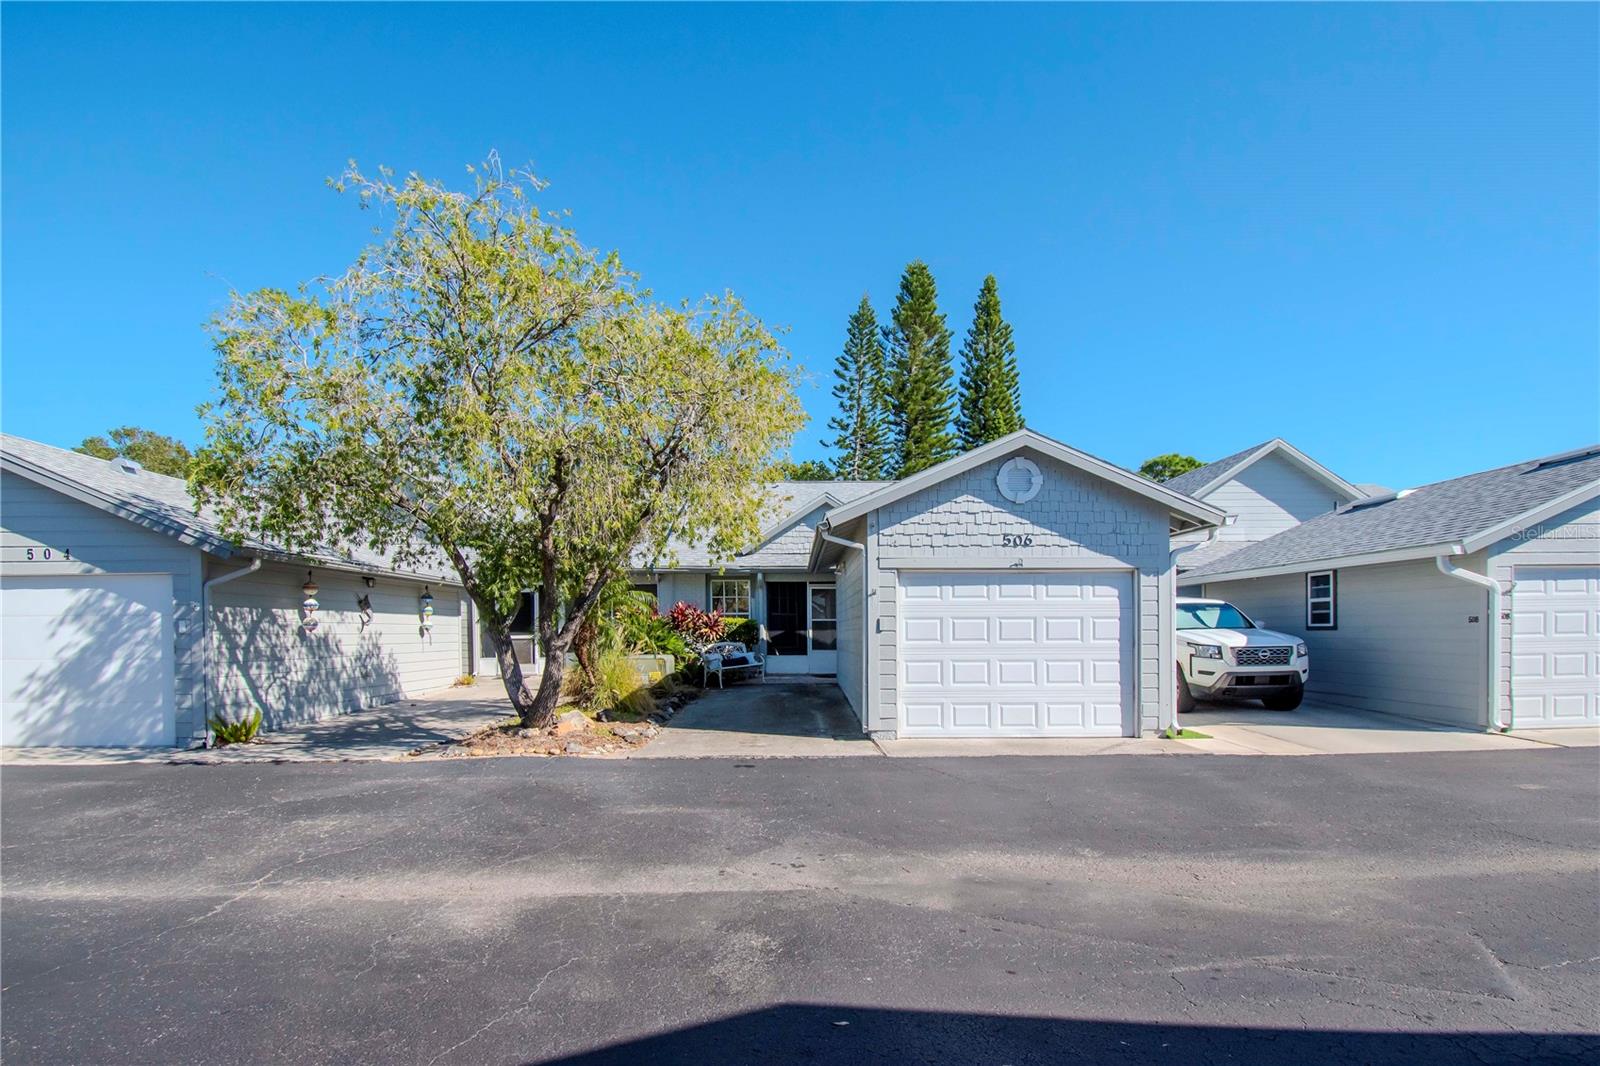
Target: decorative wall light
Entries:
(364, 605)
(371, 581)
(309, 605)
(427, 608)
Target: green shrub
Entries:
(243, 732)
(743, 630)
(619, 690)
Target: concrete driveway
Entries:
(800, 716)
(1246, 728)
(1436, 908)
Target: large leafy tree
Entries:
(482, 387)
(1168, 466)
(151, 450)
(920, 393)
(990, 404)
(858, 389)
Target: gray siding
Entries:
(852, 628)
(1269, 496)
(674, 588)
(1572, 537)
(1404, 643)
(101, 543)
(265, 660)
(1077, 521)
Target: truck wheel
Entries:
(1185, 697)
(1285, 701)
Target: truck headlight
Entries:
(1301, 650)
(1205, 651)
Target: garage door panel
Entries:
(1555, 667)
(970, 672)
(1063, 630)
(1019, 716)
(86, 660)
(1020, 654)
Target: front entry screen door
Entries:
(786, 617)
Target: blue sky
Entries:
(1338, 224)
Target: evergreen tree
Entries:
(991, 391)
(859, 389)
(919, 388)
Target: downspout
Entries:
(205, 633)
(1172, 564)
(1449, 569)
(866, 637)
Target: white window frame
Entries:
(1330, 600)
(714, 595)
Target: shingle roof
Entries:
(1445, 512)
(1210, 553)
(162, 503)
(1199, 478)
(788, 547)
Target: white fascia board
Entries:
(1393, 555)
(1188, 507)
(1501, 531)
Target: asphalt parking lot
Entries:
(1373, 908)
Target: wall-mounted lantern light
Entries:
(427, 608)
(309, 605)
(371, 581)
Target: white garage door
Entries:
(1015, 654)
(86, 660)
(1555, 646)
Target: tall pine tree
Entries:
(991, 390)
(862, 441)
(920, 394)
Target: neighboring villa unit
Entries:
(128, 619)
(1473, 601)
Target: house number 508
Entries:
(1016, 540)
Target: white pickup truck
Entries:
(1221, 652)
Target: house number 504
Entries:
(1016, 540)
(44, 555)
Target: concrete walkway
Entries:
(800, 716)
(1317, 729)
(389, 732)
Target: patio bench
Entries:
(731, 657)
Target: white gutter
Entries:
(205, 632)
(866, 636)
(1449, 569)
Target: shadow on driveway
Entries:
(821, 1034)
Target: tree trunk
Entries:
(505, 654)
(541, 710)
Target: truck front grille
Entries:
(1262, 656)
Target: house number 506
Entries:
(1016, 540)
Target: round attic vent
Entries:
(1020, 480)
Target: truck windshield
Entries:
(1211, 616)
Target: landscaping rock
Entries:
(570, 723)
(574, 747)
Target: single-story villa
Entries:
(1023, 589)
(1473, 602)
(126, 618)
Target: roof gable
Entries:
(1201, 482)
(1192, 513)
